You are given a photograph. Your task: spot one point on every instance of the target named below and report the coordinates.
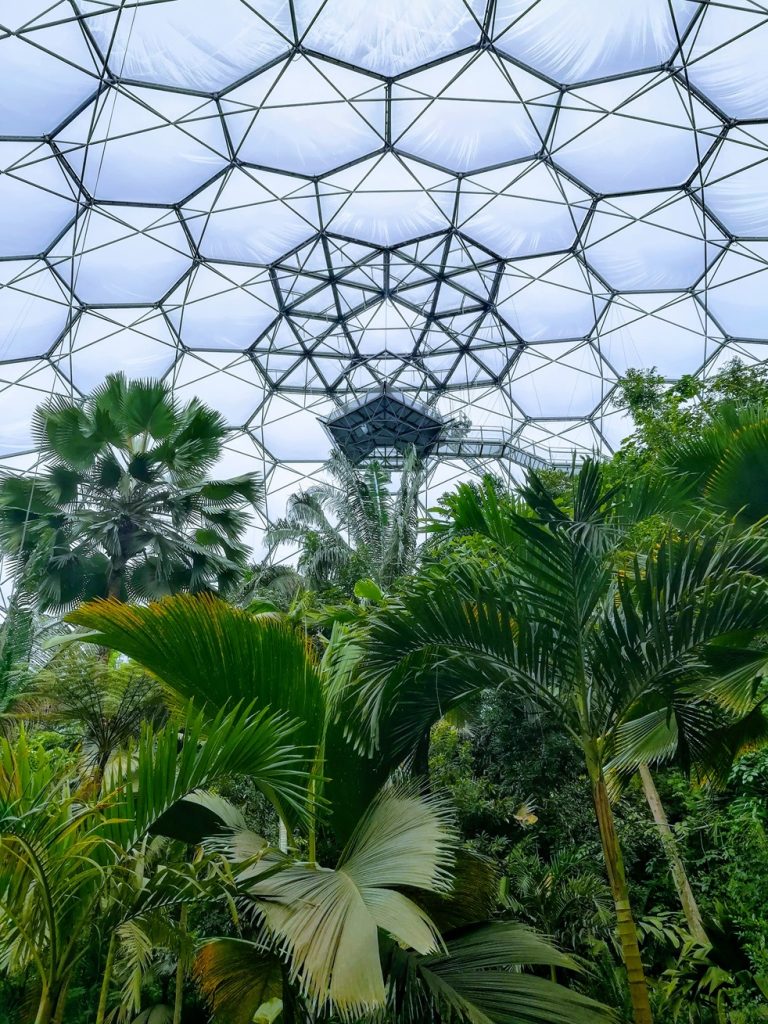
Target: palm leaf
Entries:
(478, 978)
(237, 977)
(171, 764)
(328, 921)
(206, 651)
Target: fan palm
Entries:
(560, 627)
(122, 506)
(354, 527)
(720, 468)
(341, 939)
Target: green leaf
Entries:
(204, 650)
(181, 759)
(367, 590)
(148, 407)
(475, 979)
(328, 921)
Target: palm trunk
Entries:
(106, 979)
(617, 879)
(61, 1004)
(114, 585)
(45, 1007)
(289, 1015)
(178, 996)
(668, 841)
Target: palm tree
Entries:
(398, 922)
(62, 856)
(564, 896)
(105, 703)
(122, 506)
(25, 634)
(354, 527)
(558, 626)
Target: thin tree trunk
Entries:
(178, 996)
(282, 836)
(617, 879)
(420, 762)
(45, 1007)
(668, 841)
(61, 1004)
(114, 586)
(106, 979)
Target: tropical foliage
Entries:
(122, 505)
(503, 762)
(354, 526)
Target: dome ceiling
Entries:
(493, 206)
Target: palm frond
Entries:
(478, 978)
(328, 921)
(236, 977)
(209, 652)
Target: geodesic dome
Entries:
(494, 206)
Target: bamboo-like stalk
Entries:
(676, 866)
(617, 879)
(106, 979)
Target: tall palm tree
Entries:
(397, 923)
(122, 506)
(355, 526)
(560, 627)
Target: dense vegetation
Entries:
(507, 768)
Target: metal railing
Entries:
(493, 444)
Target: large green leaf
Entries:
(206, 651)
(723, 466)
(328, 921)
(180, 759)
(478, 979)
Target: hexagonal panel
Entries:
(284, 117)
(668, 331)
(37, 198)
(632, 133)
(388, 200)
(120, 254)
(559, 380)
(391, 37)
(144, 145)
(251, 217)
(573, 42)
(438, 114)
(222, 305)
(735, 181)
(725, 58)
(548, 299)
(524, 210)
(137, 342)
(737, 288)
(34, 309)
(656, 240)
(46, 59)
(190, 44)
